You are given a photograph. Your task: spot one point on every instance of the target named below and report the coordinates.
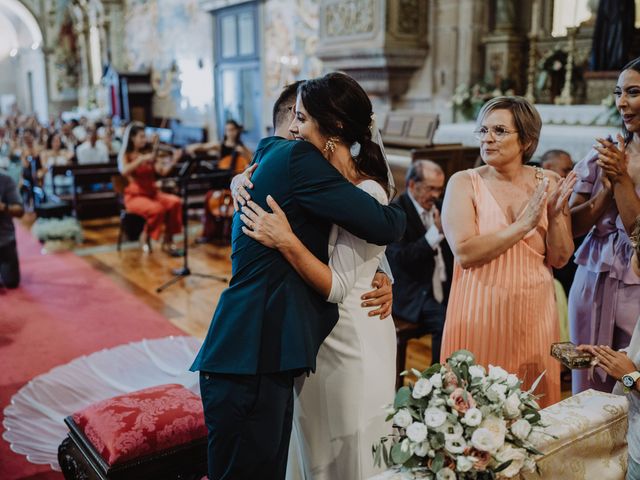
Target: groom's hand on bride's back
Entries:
(381, 296)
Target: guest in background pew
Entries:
(110, 141)
(56, 155)
(140, 163)
(604, 300)
(557, 161)
(422, 262)
(624, 366)
(232, 155)
(10, 207)
(92, 151)
(507, 223)
(560, 161)
(68, 138)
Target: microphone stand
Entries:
(180, 273)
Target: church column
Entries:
(81, 30)
(114, 33)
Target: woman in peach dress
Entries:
(507, 224)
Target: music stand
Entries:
(184, 175)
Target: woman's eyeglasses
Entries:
(499, 133)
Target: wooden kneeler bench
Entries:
(155, 433)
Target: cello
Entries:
(219, 203)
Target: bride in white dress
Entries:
(339, 411)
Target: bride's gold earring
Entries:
(330, 146)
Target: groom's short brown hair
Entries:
(281, 107)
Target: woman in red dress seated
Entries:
(140, 164)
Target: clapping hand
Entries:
(612, 158)
(535, 207)
(270, 229)
(559, 199)
(239, 186)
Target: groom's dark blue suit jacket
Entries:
(269, 320)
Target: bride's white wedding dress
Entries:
(339, 411)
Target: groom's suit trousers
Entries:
(249, 422)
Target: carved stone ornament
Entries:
(348, 18)
(381, 43)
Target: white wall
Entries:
(7, 77)
(34, 100)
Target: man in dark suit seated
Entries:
(422, 262)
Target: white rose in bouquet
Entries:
(403, 418)
(452, 431)
(476, 371)
(455, 446)
(446, 474)
(521, 429)
(512, 380)
(490, 436)
(497, 392)
(511, 407)
(497, 373)
(422, 449)
(422, 388)
(434, 417)
(464, 463)
(472, 417)
(517, 457)
(436, 380)
(484, 440)
(417, 432)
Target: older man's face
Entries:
(561, 164)
(427, 190)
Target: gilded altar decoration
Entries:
(67, 56)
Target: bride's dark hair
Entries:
(342, 109)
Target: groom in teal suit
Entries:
(269, 324)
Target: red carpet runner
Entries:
(64, 308)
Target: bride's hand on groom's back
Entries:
(270, 229)
(381, 296)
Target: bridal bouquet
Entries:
(460, 422)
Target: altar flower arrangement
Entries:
(57, 233)
(459, 421)
(468, 100)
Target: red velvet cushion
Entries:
(142, 422)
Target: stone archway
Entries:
(23, 63)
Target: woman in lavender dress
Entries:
(604, 301)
